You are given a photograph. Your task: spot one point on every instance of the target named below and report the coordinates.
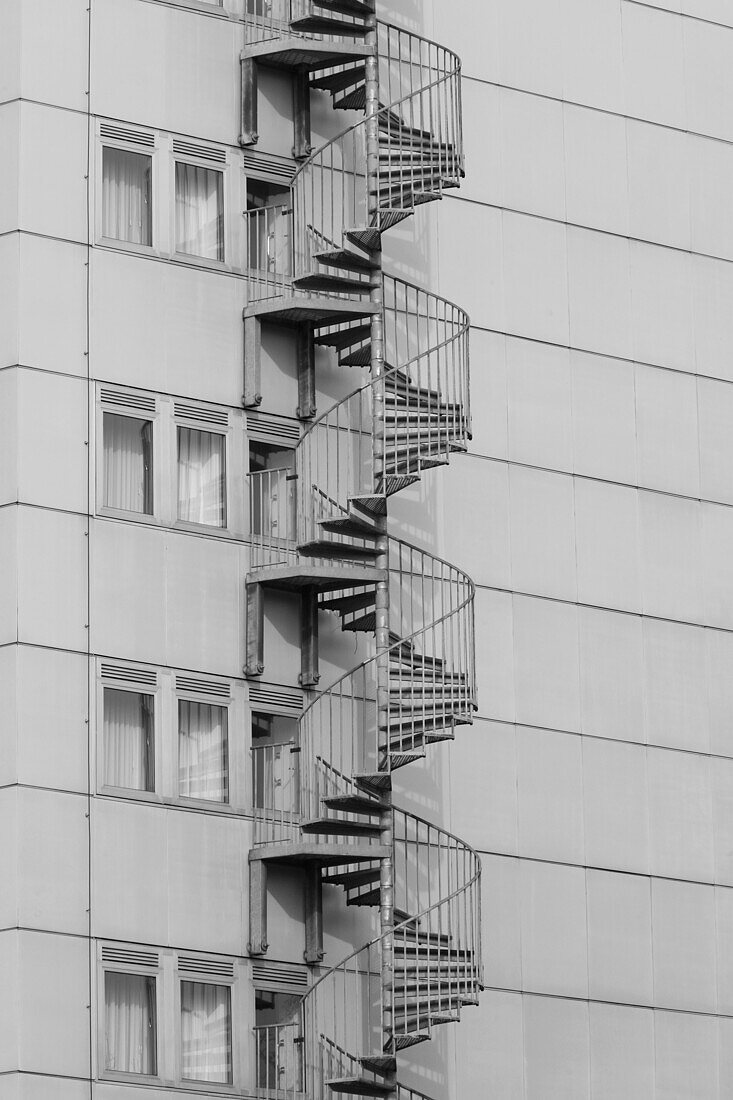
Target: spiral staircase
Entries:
(316, 264)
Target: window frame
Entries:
(156, 419)
(153, 151)
(223, 168)
(179, 420)
(167, 693)
(206, 700)
(137, 970)
(226, 1088)
(133, 688)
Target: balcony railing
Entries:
(278, 1058)
(272, 505)
(268, 236)
(276, 787)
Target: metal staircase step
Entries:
(345, 604)
(361, 8)
(344, 338)
(401, 1041)
(347, 260)
(351, 526)
(317, 24)
(359, 1086)
(369, 238)
(388, 219)
(324, 284)
(407, 742)
(332, 549)
(374, 781)
(334, 826)
(336, 82)
(351, 101)
(373, 505)
(354, 804)
(351, 880)
(362, 357)
(384, 1065)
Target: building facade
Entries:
(247, 735)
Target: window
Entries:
(203, 765)
(127, 196)
(128, 463)
(206, 1032)
(130, 1023)
(129, 740)
(199, 211)
(202, 477)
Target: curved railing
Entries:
(383, 714)
(435, 963)
(337, 188)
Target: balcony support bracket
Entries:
(252, 362)
(302, 147)
(249, 135)
(313, 953)
(255, 630)
(306, 373)
(257, 907)
(309, 674)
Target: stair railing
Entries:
(268, 232)
(437, 970)
(427, 411)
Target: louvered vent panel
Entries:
(124, 133)
(279, 977)
(145, 676)
(266, 166)
(203, 687)
(140, 401)
(129, 957)
(218, 417)
(209, 968)
(267, 698)
(272, 429)
(201, 152)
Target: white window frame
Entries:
(136, 969)
(237, 1044)
(135, 689)
(168, 978)
(180, 420)
(166, 694)
(166, 420)
(134, 414)
(214, 701)
(224, 169)
(154, 152)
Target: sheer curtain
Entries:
(129, 1023)
(128, 463)
(129, 740)
(126, 205)
(202, 477)
(206, 1034)
(199, 211)
(202, 751)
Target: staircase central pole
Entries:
(382, 622)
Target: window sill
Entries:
(190, 805)
(130, 517)
(195, 5)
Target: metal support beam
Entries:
(249, 135)
(309, 675)
(257, 907)
(302, 147)
(252, 362)
(306, 373)
(313, 953)
(255, 630)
